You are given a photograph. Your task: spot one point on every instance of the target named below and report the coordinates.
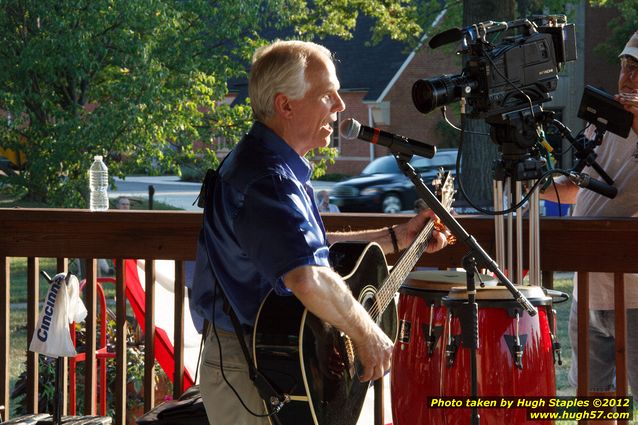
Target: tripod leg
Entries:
(534, 237)
(519, 235)
(510, 235)
(499, 223)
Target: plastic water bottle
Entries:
(99, 184)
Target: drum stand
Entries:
(477, 255)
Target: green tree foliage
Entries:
(143, 82)
(129, 80)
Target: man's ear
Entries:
(282, 105)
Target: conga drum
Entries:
(514, 358)
(419, 352)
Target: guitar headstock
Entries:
(444, 187)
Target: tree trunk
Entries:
(479, 152)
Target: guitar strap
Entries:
(273, 398)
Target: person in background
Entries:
(619, 158)
(323, 202)
(123, 203)
(263, 231)
(105, 267)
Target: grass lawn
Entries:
(18, 345)
(562, 312)
(18, 290)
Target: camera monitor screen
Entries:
(601, 109)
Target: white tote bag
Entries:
(62, 306)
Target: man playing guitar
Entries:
(262, 230)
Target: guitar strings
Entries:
(385, 295)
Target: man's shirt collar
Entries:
(271, 141)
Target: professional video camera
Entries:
(520, 71)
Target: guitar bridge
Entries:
(349, 349)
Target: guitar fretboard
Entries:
(406, 262)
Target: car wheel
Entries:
(391, 204)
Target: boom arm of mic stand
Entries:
(460, 233)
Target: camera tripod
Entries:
(518, 165)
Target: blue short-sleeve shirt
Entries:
(261, 223)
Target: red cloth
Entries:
(164, 350)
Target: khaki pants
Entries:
(222, 405)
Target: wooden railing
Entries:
(567, 244)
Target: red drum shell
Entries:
(498, 375)
(416, 374)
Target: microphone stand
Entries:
(469, 330)
(459, 232)
(469, 310)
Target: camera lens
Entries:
(428, 95)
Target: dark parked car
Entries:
(382, 187)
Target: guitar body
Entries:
(309, 359)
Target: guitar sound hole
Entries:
(368, 300)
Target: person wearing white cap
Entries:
(619, 158)
(628, 81)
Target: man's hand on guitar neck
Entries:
(406, 233)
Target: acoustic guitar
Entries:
(315, 363)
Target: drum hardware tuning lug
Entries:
(514, 312)
(554, 337)
(452, 349)
(405, 328)
(432, 337)
(557, 353)
(431, 344)
(516, 350)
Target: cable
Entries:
(508, 210)
(444, 112)
(498, 71)
(221, 363)
(560, 210)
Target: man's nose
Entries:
(339, 105)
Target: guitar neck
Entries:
(406, 263)
(402, 269)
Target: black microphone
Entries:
(352, 129)
(446, 37)
(473, 32)
(585, 181)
